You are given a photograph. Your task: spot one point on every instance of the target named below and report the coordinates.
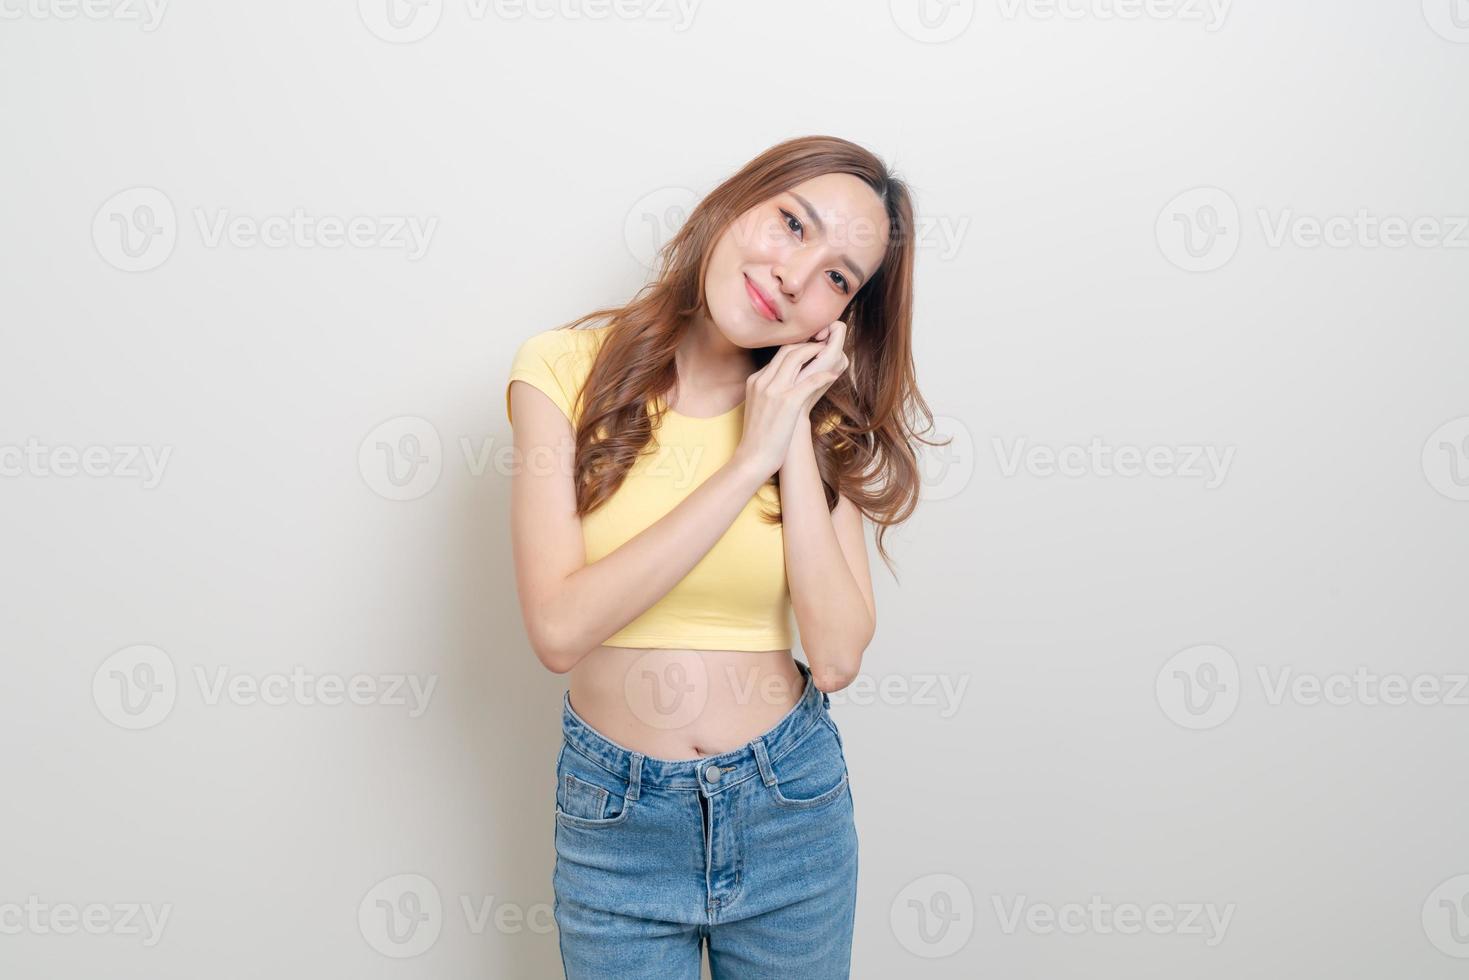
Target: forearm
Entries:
(603, 596)
(830, 610)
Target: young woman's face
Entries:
(807, 251)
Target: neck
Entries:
(707, 361)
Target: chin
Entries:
(743, 327)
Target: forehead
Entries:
(849, 213)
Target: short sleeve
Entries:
(542, 361)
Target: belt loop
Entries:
(634, 776)
(762, 761)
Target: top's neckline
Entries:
(703, 418)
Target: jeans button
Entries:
(712, 774)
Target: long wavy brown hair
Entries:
(867, 456)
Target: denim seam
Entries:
(796, 741)
(594, 761)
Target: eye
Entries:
(791, 217)
(841, 280)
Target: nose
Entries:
(793, 271)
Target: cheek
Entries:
(820, 310)
(764, 240)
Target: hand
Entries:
(783, 391)
(833, 357)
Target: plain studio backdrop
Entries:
(1170, 682)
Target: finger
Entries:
(783, 354)
(816, 383)
(797, 356)
(800, 353)
(831, 354)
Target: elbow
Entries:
(832, 673)
(830, 679)
(554, 660)
(833, 670)
(552, 650)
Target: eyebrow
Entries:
(815, 220)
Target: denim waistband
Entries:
(710, 773)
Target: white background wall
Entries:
(1083, 671)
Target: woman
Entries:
(673, 505)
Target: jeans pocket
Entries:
(814, 773)
(587, 795)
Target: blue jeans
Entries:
(753, 852)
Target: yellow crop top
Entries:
(736, 597)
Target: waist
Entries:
(684, 704)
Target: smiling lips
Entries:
(762, 305)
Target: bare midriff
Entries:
(684, 704)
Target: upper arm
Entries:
(540, 362)
(848, 523)
(545, 531)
